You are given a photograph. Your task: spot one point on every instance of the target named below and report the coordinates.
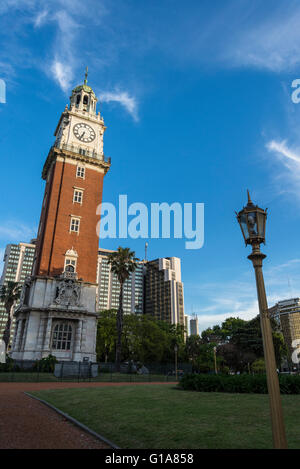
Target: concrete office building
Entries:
(194, 327)
(109, 287)
(164, 297)
(18, 261)
(287, 315)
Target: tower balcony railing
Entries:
(83, 152)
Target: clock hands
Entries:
(85, 134)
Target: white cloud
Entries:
(246, 312)
(123, 98)
(62, 73)
(41, 18)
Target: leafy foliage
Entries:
(144, 339)
(46, 364)
(239, 343)
(259, 366)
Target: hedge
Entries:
(251, 384)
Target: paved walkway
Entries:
(28, 424)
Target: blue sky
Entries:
(196, 97)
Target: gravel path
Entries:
(28, 424)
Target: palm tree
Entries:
(9, 294)
(123, 262)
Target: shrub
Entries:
(259, 366)
(46, 364)
(8, 365)
(251, 384)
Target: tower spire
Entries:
(86, 75)
(249, 198)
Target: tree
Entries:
(106, 334)
(9, 294)
(175, 336)
(193, 347)
(248, 338)
(235, 358)
(123, 262)
(143, 339)
(212, 335)
(230, 326)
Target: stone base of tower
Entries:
(56, 316)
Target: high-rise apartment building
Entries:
(18, 260)
(287, 315)
(164, 290)
(194, 327)
(109, 287)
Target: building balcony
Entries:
(83, 151)
(76, 151)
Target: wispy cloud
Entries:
(62, 73)
(239, 298)
(67, 32)
(124, 99)
(11, 231)
(282, 150)
(41, 18)
(287, 175)
(271, 42)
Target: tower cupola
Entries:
(83, 97)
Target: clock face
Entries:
(84, 132)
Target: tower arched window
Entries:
(78, 99)
(85, 99)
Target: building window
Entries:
(85, 99)
(74, 226)
(78, 195)
(62, 336)
(70, 265)
(80, 172)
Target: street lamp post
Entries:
(252, 220)
(176, 350)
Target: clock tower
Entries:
(57, 312)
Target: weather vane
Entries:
(86, 74)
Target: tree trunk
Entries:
(6, 333)
(119, 330)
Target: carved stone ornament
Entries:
(68, 293)
(25, 291)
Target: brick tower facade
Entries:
(57, 313)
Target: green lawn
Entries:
(162, 416)
(21, 377)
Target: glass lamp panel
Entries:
(244, 226)
(261, 218)
(252, 224)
